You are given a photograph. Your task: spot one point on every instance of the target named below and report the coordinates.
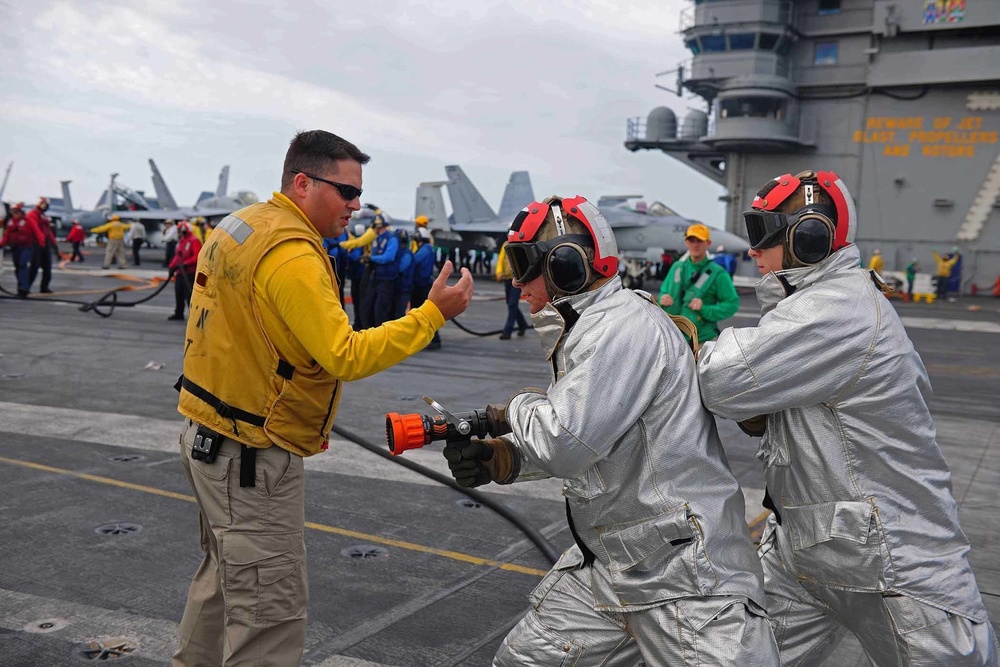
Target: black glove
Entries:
(479, 462)
(755, 426)
(171, 272)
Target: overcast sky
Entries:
(96, 86)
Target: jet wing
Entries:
(162, 215)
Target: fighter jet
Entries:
(220, 199)
(208, 206)
(643, 232)
(472, 224)
(61, 209)
(135, 205)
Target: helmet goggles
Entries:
(766, 229)
(561, 256)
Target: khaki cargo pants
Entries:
(115, 251)
(247, 602)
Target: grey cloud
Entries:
(496, 87)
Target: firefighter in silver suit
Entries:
(662, 568)
(864, 535)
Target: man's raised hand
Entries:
(453, 300)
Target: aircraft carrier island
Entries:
(899, 97)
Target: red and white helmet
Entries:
(567, 240)
(183, 227)
(819, 225)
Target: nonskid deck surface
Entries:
(100, 529)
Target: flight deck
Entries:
(100, 531)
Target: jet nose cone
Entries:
(733, 243)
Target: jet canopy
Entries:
(657, 208)
(660, 209)
(245, 198)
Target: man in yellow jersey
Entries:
(115, 250)
(267, 347)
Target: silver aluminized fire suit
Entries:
(663, 564)
(865, 534)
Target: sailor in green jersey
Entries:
(698, 288)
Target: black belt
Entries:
(588, 555)
(248, 455)
(225, 410)
(248, 466)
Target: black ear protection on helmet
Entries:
(810, 236)
(567, 266)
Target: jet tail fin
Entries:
(6, 177)
(467, 204)
(162, 191)
(430, 202)
(220, 190)
(516, 195)
(67, 198)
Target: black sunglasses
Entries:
(348, 192)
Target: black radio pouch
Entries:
(206, 445)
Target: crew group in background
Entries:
(947, 278)
(24, 238)
(33, 244)
(389, 269)
(32, 241)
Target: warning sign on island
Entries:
(927, 136)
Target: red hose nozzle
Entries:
(405, 432)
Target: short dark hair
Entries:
(313, 150)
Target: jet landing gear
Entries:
(635, 273)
